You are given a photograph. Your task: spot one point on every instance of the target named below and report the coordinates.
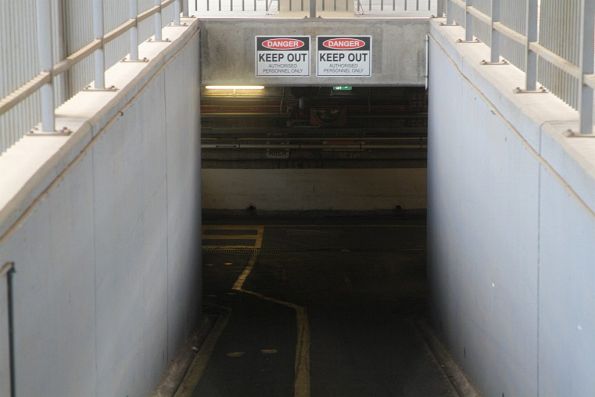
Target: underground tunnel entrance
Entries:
(314, 271)
(337, 148)
(314, 127)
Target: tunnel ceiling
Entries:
(314, 127)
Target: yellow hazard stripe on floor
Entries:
(215, 233)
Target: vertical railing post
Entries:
(449, 16)
(439, 8)
(185, 8)
(312, 8)
(530, 56)
(99, 53)
(587, 65)
(46, 63)
(133, 14)
(157, 21)
(177, 11)
(468, 21)
(495, 35)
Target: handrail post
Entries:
(587, 65)
(530, 56)
(157, 21)
(312, 8)
(133, 14)
(439, 8)
(177, 13)
(468, 21)
(495, 35)
(46, 63)
(449, 15)
(185, 8)
(98, 32)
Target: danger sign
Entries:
(282, 56)
(344, 56)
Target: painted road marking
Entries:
(253, 233)
(301, 385)
(239, 283)
(302, 355)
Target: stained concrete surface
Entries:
(363, 286)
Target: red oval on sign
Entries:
(283, 44)
(343, 43)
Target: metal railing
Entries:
(314, 8)
(550, 40)
(124, 18)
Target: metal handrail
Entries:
(584, 71)
(219, 8)
(44, 80)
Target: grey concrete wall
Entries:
(398, 50)
(104, 230)
(511, 228)
(315, 189)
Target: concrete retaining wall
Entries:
(511, 227)
(314, 189)
(104, 230)
(398, 50)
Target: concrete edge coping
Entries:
(34, 164)
(541, 121)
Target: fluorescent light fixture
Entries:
(235, 87)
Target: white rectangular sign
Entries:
(282, 56)
(340, 56)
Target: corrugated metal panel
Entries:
(513, 14)
(484, 6)
(458, 15)
(559, 32)
(71, 30)
(19, 63)
(78, 30)
(482, 31)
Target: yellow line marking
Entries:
(229, 236)
(259, 236)
(301, 386)
(239, 284)
(228, 247)
(230, 227)
(199, 364)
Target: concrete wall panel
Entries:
(398, 50)
(315, 189)
(567, 293)
(102, 251)
(510, 239)
(54, 309)
(184, 195)
(484, 245)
